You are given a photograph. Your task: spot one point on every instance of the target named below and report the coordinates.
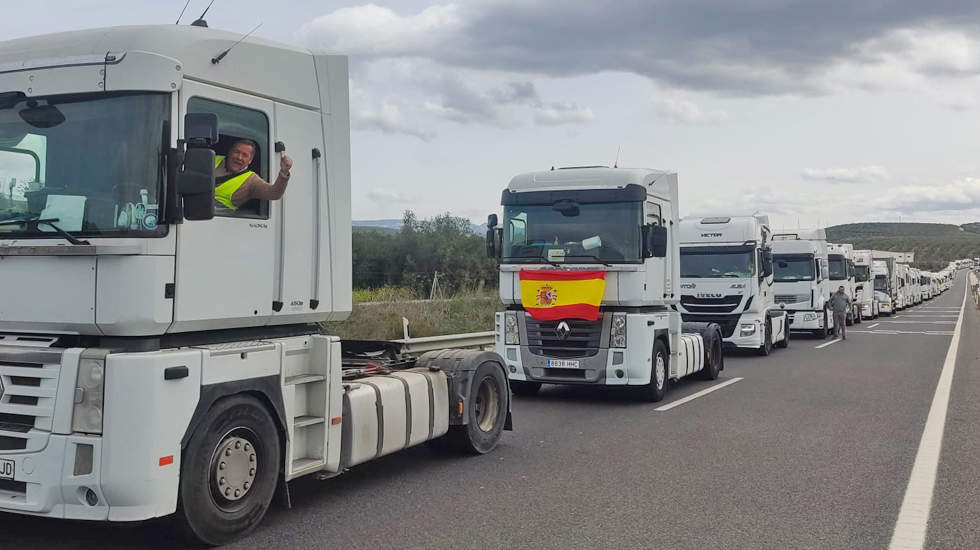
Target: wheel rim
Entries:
(487, 404)
(233, 469)
(660, 371)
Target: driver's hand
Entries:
(285, 163)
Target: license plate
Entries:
(6, 469)
(562, 364)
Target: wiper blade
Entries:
(594, 257)
(50, 222)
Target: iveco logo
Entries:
(709, 295)
(563, 330)
(711, 234)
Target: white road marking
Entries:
(913, 517)
(694, 396)
(923, 322)
(887, 331)
(834, 341)
(874, 325)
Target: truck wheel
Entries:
(486, 409)
(524, 388)
(228, 473)
(660, 370)
(849, 320)
(826, 325)
(714, 359)
(766, 347)
(784, 343)
(860, 314)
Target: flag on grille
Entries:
(548, 295)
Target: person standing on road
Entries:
(839, 304)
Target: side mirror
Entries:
(195, 184)
(201, 129)
(492, 236)
(767, 267)
(654, 241)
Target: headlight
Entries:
(617, 331)
(512, 333)
(747, 329)
(87, 414)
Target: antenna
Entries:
(618, 150)
(222, 55)
(182, 12)
(200, 22)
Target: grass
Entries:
(381, 319)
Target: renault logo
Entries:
(563, 330)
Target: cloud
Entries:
(959, 195)
(385, 117)
(390, 196)
(679, 111)
(551, 114)
(739, 48)
(861, 174)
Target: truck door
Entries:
(238, 247)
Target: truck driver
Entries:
(235, 184)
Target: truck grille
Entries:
(725, 304)
(792, 298)
(582, 341)
(27, 396)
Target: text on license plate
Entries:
(6, 469)
(562, 363)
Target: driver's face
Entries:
(239, 157)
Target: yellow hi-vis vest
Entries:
(225, 189)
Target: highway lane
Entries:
(812, 448)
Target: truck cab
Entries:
(802, 279)
(589, 278)
(840, 259)
(864, 290)
(727, 278)
(882, 287)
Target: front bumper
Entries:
(54, 481)
(885, 308)
(806, 320)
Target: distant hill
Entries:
(393, 225)
(934, 244)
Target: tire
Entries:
(857, 318)
(659, 372)
(766, 347)
(240, 429)
(714, 360)
(524, 388)
(826, 325)
(486, 410)
(784, 343)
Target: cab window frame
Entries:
(261, 136)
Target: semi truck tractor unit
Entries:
(158, 348)
(589, 276)
(882, 287)
(840, 262)
(802, 280)
(864, 292)
(727, 279)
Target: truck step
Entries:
(301, 465)
(303, 421)
(304, 379)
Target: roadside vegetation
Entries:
(934, 244)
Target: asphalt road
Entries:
(811, 449)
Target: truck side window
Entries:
(235, 123)
(654, 214)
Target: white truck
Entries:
(840, 261)
(802, 279)
(155, 350)
(581, 226)
(883, 287)
(864, 292)
(727, 278)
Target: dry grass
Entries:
(381, 319)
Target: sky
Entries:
(815, 113)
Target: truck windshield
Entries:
(585, 233)
(792, 268)
(836, 264)
(713, 262)
(92, 164)
(862, 273)
(881, 283)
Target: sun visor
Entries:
(627, 193)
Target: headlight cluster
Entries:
(512, 332)
(747, 329)
(89, 389)
(617, 331)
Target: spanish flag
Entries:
(549, 295)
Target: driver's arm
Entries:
(256, 188)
